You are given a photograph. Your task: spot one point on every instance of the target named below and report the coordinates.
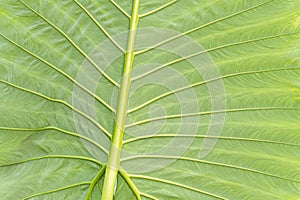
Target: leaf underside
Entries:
(46, 154)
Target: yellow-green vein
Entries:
(201, 27)
(59, 130)
(208, 81)
(207, 113)
(61, 102)
(61, 72)
(72, 43)
(117, 138)
(56, 190)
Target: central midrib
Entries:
(112, 167)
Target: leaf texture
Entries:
(212, 99)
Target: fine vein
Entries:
(175, 184)
(202, 26)
(212, 49)
(72, 43)
(148, 196)
(208, 81)
(210, 163)
(99, 26)
(59, 130)
(59, 71)
(207, 113)
(135, 139)
(120, 9)
(61, 102)
(158, 9)
(57, 190)
(52, 156)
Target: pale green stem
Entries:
(117, 139)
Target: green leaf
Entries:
(169, 99)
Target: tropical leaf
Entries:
(189, 99)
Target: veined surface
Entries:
(253, 43)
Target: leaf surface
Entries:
(170, 99)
